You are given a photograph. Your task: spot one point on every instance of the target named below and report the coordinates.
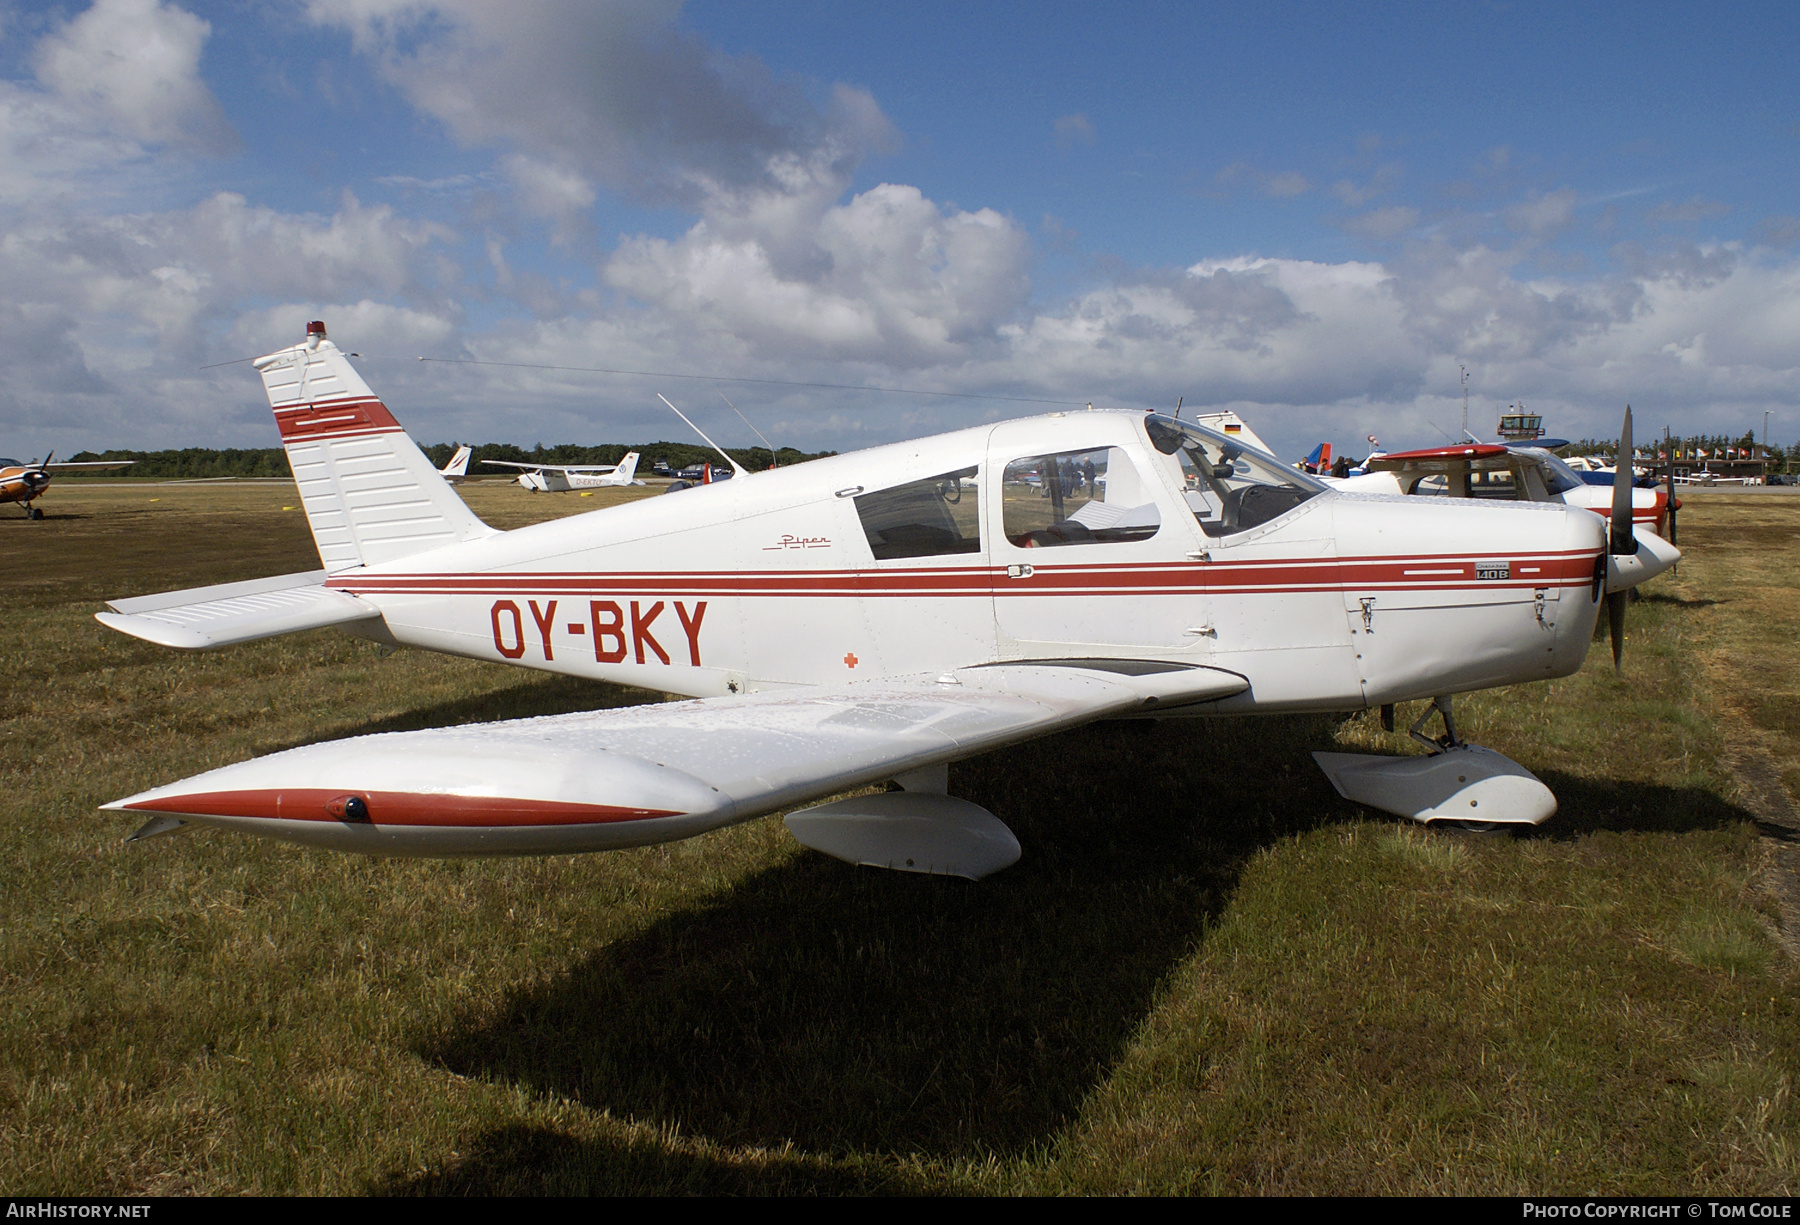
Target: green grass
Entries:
(1207, 973)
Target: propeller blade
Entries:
(1621, 539)
(1615, 624)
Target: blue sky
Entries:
(1312, 214)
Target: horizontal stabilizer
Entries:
(644, 774)
(202, 618)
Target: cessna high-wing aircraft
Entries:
(26, 482)
(875, 616)
(1496, 470)
(561, 478)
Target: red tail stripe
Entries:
(326, 419)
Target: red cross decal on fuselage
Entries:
(850, 660)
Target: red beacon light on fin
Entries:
(316, 328)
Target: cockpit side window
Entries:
(1559, 478)
(938, 515)
(1229, 488)
(1076, 497)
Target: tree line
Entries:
(204, 463)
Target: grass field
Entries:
(1207, 973)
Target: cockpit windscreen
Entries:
(1229, 487)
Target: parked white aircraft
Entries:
(873, 616)
(561, 478)
(1496, 470)
(457, 470)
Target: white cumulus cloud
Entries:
(888, 276)
(614, 93)
(135, 66)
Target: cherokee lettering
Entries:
(640, 631)
(518, 629)
(612, 626)
(543, 619)
(691, 627)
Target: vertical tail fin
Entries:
(370, 494)
(627, 469)
(459, 463)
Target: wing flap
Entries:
(644, 774)
(202, 618)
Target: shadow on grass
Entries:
(1588, 806)
(851, 1011)
(1675, 601)
(519, 1160)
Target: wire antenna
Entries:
(720, 378)
(746, 421)
(736, 468)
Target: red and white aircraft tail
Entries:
(370, 494)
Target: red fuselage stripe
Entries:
(1454, 573)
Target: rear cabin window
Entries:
(933, 517)
(1076, 497)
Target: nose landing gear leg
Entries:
(1449, 740)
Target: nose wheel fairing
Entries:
(1465, 784)
(1456, 783)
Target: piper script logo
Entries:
(1493, 570)
(798, 542)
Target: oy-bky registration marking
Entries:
(617, 628)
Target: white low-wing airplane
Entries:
(561, 478)
(872, 616)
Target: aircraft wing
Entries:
(1435, 459)
(643, 774)
(91, 465)
(201, 618)
(507, 463)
